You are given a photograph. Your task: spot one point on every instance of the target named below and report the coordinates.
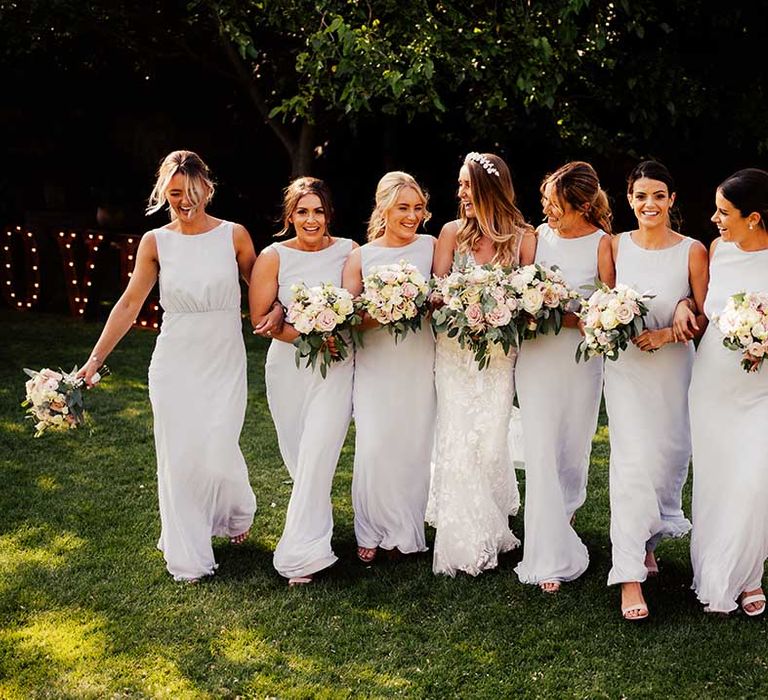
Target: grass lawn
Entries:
(87, 609)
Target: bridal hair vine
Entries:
(486, 164)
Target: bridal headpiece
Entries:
(486, 164)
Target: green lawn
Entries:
(87, 609)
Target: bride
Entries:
(474, 490)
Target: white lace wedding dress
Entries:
(474, 489)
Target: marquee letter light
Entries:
(31, 263)
(78, 287)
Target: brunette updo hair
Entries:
(747, 190)
(297, 189)
(577, 184)
(654, 170)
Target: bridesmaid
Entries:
(311, 414)
(729, 415)
(474, 489)
(197, 382)
(646, 389)
(394, 388)
(559, 399)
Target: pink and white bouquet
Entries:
(480, 309)
(744, 325)
(611, 318)
(54, 400)
(544, 297)
(320, 315)
(396, 296)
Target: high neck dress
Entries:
(729, 429)
(559, 402)
(646, 397)
(311, 417)
(197, 387)
(394, 407)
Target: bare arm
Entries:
(127, 308)
(266, 311)
(528, 248)
(607, 254)
(352, 281)
(244, 252)
(444, 249)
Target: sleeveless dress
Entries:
(474, 488)
(646, 397)
(311, 417)
(559, 403)
(394, 408)
(197, 387)
(729, 428)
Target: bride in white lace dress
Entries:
(474, 489)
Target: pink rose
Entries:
(475, 315)
(499, 316)
(325, 321)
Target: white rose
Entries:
(532, 300)
(608, 319)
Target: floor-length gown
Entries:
(197, 387)
(559, 403)
(311, 417)
(646, 397)
(394, 408)
(729, 429)
(474, 489)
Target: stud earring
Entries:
(751, 227)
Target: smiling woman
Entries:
(311, 412)
(390, 484)
(202, 477)
(729, 414)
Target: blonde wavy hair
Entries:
(496, 213)
(387, 191)
(577, 183)
(198, 185)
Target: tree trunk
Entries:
(302, 154)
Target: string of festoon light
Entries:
(78, 285)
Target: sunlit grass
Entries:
(88, 611)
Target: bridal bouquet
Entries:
(480, 309)
(320, 314)
(611, 317)
(54, 400)
(544, 297)
(395, 296)
(744, 323)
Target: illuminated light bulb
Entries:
(81, 310)
(34, 267)
(155, 325)
(130, 240)
(88, 283)
(61, 233)
(143, 323)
